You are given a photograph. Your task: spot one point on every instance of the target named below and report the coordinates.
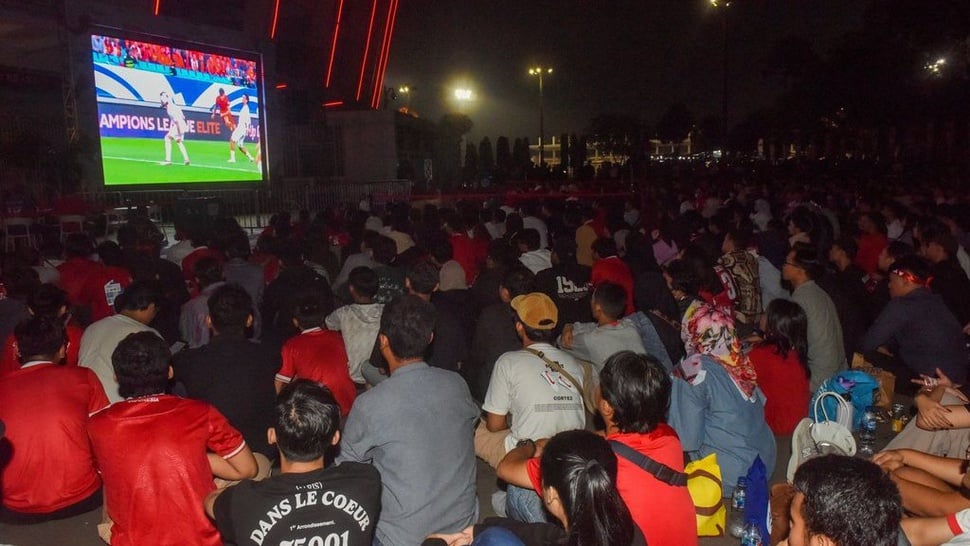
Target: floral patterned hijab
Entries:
(708, 331)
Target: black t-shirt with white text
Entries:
(335, 506)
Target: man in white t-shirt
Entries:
(238, 137)
(137, 307)
(540, 400)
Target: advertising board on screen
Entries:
(169, 114)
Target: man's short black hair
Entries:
(39, 336)
(384, 250)
(230, 307)
(47, 300)
(934, 231)
(519, 280)
(208, 271)
(565, 249)
(141, 363)
(530, 238)
(741, 237)
(305, 418)
(442, 251)
(237, 247)
(849, 500)
(638, 388)
(137, 297)
(611, 298)
(849, 245)
(78, 245)
(408, 322)
(364, 281)
(424, 277)
(311, 309)
(110, 254)
(604, 247)
(914, 265)
(806, 257)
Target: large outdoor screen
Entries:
(177, 115)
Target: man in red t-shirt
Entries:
(221, 108)
(51, 473)
(158, 453)
(633, 401)
(607, 266)
(317, 353)
(105, 283)
(47, 301)
(75, 270)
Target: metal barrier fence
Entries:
(252, 207)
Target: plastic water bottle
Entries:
(751, 535)
(735, 523)
(867, 431)
(740, 494)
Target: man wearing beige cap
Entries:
(527, 397)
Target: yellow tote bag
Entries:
(704, 484)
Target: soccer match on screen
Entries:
(171, 115)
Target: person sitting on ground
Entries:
(136, 306)
(193, 326)
(634, 399)
(390, 277)
(716, 405)
(359, 322)
(607, 266)
(533, 256)
(611, 333)
(416, 429)
(344, 499)
(47, 301)
(566, 282)
(316, 353)
(104, 283)
(781, 364)
(50, 471)
(528, 397)
(939, 247)
(826, 350)
(577, 481)
(843, 501)
(744, 271)
(231, 372)
(449, 345)
(238, 269)
(157, 453)
(916, 327)
(77, 266)
(495, 330)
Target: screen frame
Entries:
(203, 47)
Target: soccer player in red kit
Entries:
(51, 473)
(158, 453)
(317, 354)
(222, 107)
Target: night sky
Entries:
(627, 56)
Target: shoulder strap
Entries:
(557, 367)
(659, 470)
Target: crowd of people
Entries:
(334, 382)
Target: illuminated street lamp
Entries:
(406, 92)
(936, 68)
(539, 71)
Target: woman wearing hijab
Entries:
(716, 405)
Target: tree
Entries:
(675, 124)
(577, 153)
(450, 130)
(486, 158)
(616, 134)
(503, 158)
(521, 160)
(470, 171)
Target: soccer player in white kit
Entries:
(239, 133)
(176, 129)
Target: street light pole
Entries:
(723, 5)
(538, 71)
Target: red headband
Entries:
(912, 278)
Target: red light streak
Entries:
(380, 58)
(363, 64)
(333, 46)
(382, 69)
(158, 4)
(281, 86)
(276, 15)
(333, 104)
